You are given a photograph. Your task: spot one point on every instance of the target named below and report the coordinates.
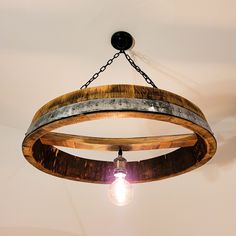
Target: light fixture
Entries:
(123, 101)
(120, 191)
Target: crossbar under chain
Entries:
(109, 62)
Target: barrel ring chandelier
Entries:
(122, 101)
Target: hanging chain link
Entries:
(109, 62)
(138, 69)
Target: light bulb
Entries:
(120, 191)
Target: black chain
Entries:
(109, 62)
(138, 69)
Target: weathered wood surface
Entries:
(113, 144)
(55, 162)
(117, 91)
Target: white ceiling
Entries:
(48, 48)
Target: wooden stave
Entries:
(113, 144)
(117, 91)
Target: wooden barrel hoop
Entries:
(123, 101)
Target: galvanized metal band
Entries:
(119, 104)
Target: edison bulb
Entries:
(120, 191)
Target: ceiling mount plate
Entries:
(122, 40)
